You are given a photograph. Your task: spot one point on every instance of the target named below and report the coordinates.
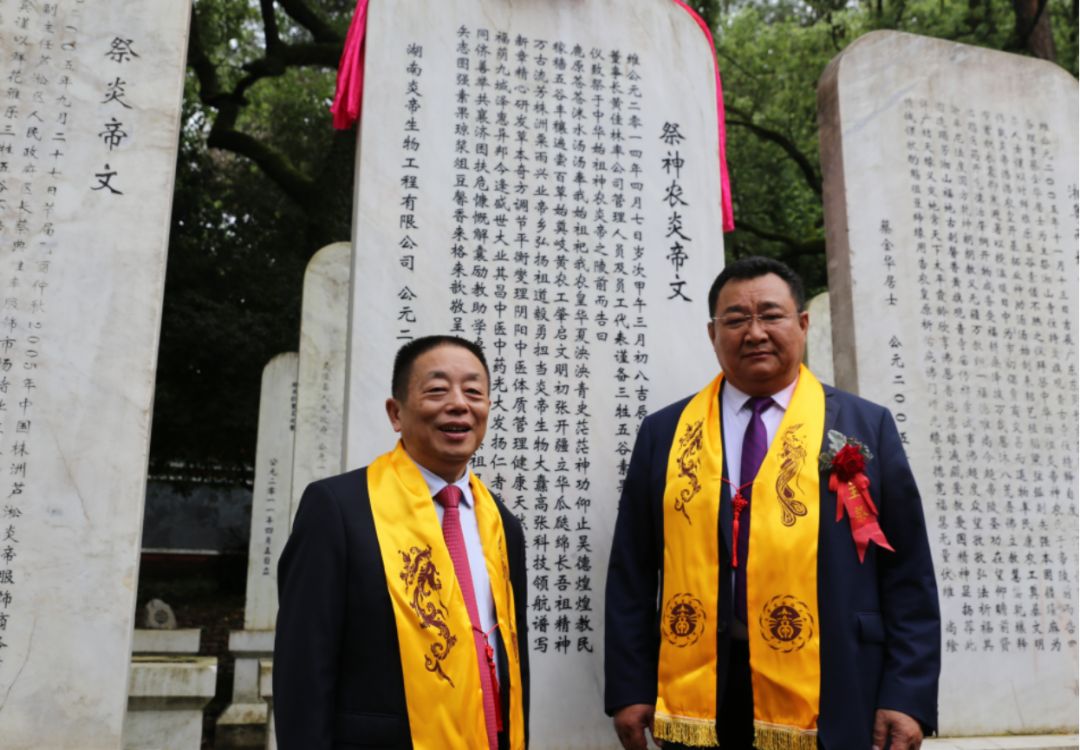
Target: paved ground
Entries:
(1031, 742)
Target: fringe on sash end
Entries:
(685, 730)
(777, 737)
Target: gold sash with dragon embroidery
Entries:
(781, 576)
(442, 677)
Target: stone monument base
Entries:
(166, 698)
(266, 690)
(243, 725)
(1015, 742)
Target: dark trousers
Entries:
(735, 722)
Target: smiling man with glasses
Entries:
(770, 582)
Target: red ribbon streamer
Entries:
(350, 77)
(350, 89)
(861, 510)
(727, 214)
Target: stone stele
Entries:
(819, 339)
(321, 390)
(243, 723)
(89, 142)
(951, 219)
(541, 178)
(272, 493)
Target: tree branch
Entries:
(811, 176)
(270, 29)
(300, 12)
(814, 246)
(298, 187)
(228, 104)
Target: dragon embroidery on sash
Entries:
(422, 582)
(792, 457)
(690, 445)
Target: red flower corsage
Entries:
(846, 463)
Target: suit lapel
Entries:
(832, 412)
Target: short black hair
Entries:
(752, 267)
(410, 352)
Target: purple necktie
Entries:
(755, 446)
(450, 498)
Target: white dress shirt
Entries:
(485, 602)
(736, 415)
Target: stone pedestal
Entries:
(168, 689)
(146, 641)
(166, 698)
(1030, 742)
(266, 690)
(244, 723)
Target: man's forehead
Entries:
(442, 372)
(767, 290)
(442, 360)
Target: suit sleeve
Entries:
(631, 639)
(518, 580)
(908, 591)
(310, 623)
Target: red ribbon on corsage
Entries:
(852, 488)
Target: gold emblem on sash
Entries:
(684, 620)
(422, 578)
(786, 624)
(792, 457)
(689, 461)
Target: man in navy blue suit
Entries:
(768, 587)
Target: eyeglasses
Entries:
(767, 320)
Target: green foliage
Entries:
(232, 301)
(240, 239)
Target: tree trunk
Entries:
(1033, 30)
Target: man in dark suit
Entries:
(402, 586)
(867, 631)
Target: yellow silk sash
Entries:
(442, 676)
(785, 659)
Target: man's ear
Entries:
(711, 328)
(393, 411)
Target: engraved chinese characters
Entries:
(89, 120)
(951, 205)
(321, 374)
(543, 179)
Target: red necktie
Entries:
(755, 446)
(450, 497)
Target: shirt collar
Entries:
(435, 483)
(735, 399)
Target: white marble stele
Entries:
(92, 118)
(517, 203)
(243, 722)
(321, 379)
(819, 339)
(950, 186)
